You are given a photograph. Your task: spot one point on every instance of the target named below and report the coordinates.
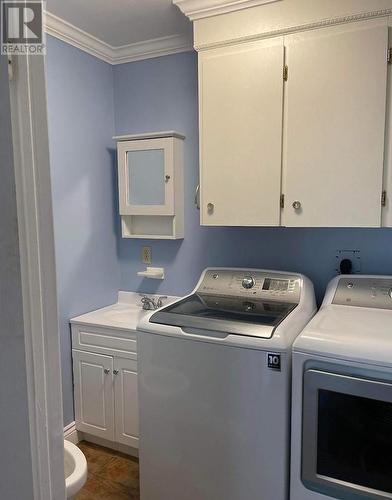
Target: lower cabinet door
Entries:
(126, 398)
(93, 393)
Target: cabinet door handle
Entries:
(115, 372)
(106, 370)
(197, 197)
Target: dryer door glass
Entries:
(347, 436)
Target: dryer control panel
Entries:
(364, 292)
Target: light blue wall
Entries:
(16, 479)
(161, 94)
(93, 261)
(80, 104)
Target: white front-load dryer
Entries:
(214, 381)
(342, 395)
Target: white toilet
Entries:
(75, 469)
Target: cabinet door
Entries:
(335, 102)
(93, 394)
(146, 176)
(126, 397)
(241, 99)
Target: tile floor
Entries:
(111, 475)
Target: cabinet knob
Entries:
(210, 208)
(115, 372)
(106, 370)
(167, 178)
(296, 205)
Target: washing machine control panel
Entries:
(252, 283)
(364, 292)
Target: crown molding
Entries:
(148, 49)
(290, 30)
(197, 9)
(69, 33)
(155, 47)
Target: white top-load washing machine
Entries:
(214, 372)
(342, 395)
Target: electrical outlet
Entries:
(146, 255)
(353, 255)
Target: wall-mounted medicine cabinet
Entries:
(151, 185)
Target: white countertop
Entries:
(124, 314)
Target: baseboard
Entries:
(128, 450)
(74, 436)
(71, 434)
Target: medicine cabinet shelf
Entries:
(151, 185)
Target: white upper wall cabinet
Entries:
(146, 169)
(292, 129)
(241, 99)
(335, 100)
(150, 174)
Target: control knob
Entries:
(248, 282)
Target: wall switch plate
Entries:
(353, 255)
(146, 255)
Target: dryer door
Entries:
(347, 436)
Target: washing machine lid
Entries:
(230, 315)
(239, 302)
(360, 334)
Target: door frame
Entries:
(27, 86)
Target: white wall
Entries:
(15, 458)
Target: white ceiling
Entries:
(122, 22)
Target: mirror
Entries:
(146, 177)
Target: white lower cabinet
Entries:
(125, 397)
(94, 394)
(105, 384)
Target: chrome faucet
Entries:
(151, 303)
